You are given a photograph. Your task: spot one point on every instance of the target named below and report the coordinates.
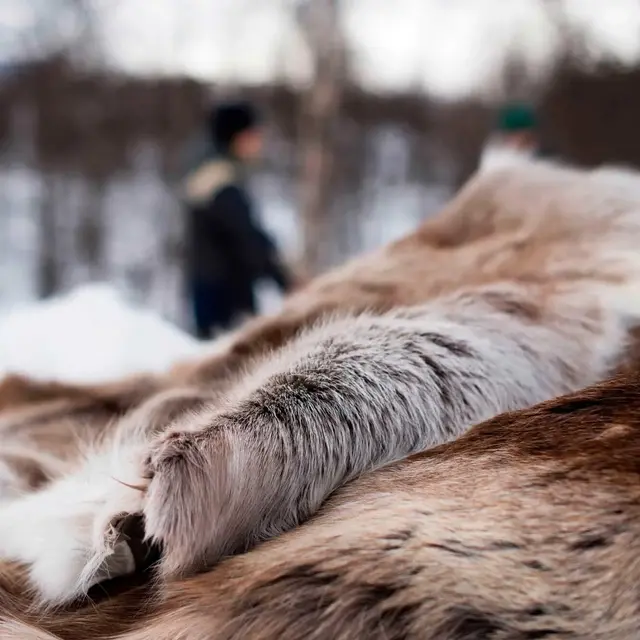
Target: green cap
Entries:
(517, 117)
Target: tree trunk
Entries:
(320, 107)
(48, 267)
(91, 232)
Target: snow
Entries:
(91, 334)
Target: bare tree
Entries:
(48, 251)
(320, 22)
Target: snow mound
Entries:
(89, 335)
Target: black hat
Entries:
(227, 120)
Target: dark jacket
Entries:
(226, 242)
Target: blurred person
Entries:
(229, 251)
(516, 138)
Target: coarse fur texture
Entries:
(46, 427)
(527, 286)
(68, 532)
(340, 400)
(524, 528)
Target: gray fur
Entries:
(352, 395)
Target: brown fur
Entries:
(543, 542)
(17, 391)
(42, 424)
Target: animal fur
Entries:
(531, 279)
(45, 427)
(524, 528)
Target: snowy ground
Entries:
(89, 335)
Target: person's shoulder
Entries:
(209, 180)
